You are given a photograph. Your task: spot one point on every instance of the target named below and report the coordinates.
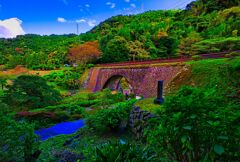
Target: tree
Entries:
(36, 59)
(116, 50)
(31, 92)
(185, 46)
(136, 51)
(167, 46)
(208, 6)
(14, 60)
(85, 53)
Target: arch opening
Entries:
(119, 83)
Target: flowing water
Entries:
(61, 128)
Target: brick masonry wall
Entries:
(142, 79)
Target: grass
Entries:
(220, 75)
(85, 144)
(215, 73)
(81, 95)
(148, 105)
(1, 92)
(51, 144)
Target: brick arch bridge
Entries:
(142, 77)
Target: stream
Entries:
(61, 128)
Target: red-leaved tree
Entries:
(84, 53)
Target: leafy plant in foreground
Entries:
(119, 151)
(17, 141)
(196, 126)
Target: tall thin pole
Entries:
(77, 29)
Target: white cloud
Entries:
(10, 28)
(92, 23)
(80, 21)
(61, 20)
(133, 5)
(89, 22)
(127, 1)
(87, 5)
(112, 5)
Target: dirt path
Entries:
(20, 70)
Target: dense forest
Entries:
(203, 27)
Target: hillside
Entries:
(198, 29)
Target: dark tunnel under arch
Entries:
(119, 83)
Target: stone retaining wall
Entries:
(138, 120)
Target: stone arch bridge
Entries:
(142, 76)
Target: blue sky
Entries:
(60, 16)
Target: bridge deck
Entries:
(156, 61)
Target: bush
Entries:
(65, 78)
(120, 151)
(107, 98)
(31, 92)
(90, 66)
(92, 96)
(196, 57)
(232, 54)
(53, 114)
(62, 116)
(196, 126)
(236, 66)
(40, 119)
(17, 141)
(111, 118)
(43, 67)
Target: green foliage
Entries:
(216, 45)
(3, 81)
(110, 119)
(31, 92)
(186, 45)
(34, 59)
(121, 151)
(17, 141)
(196, 125)
(116, 50)
(153, 34)
(35, 50)
(13, 61)
(68, 78)
(236, 65)
(106, 98)
(71, 108)
(196, 57)
(211, 5)
(218, 75)
(137, 52)
(4, 108)
(167, 47)
(147, 104)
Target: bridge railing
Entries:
(167, 60)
